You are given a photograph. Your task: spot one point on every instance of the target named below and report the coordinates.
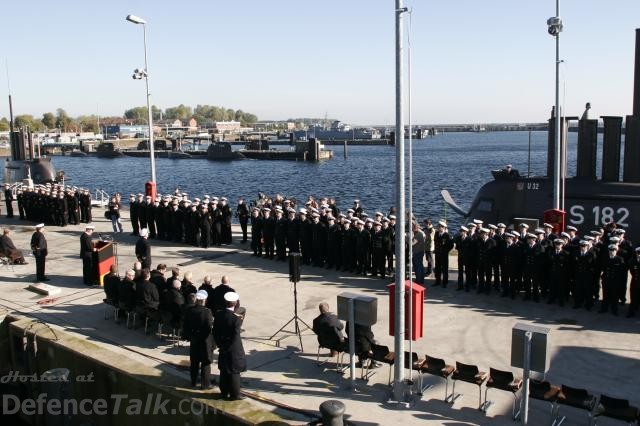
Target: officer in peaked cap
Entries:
(197, 329)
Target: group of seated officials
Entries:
(163, 299)
(328, 329)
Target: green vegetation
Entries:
(137, 115)
(202, 114)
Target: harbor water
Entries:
(459, 162)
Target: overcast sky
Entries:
(473, 61)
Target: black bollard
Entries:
(332, 412)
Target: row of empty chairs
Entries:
(556, 396)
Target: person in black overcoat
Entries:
(197, 326)
(486, 247)
(127, 291)
(143, 249)
(443, 244)
(328, 328)
(559, 268)
(173, 303)
(614, 278)
(242, 213)
(280, 235)
(206, 221)
(268, 233)
(226, 216)
(256, 232)
(231, 357)
(9, 249)
(86, 251)
(218, 303)
(39, 248)
(584, 264)
(112, 284)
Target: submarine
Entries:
(589, 202)
(24, 165)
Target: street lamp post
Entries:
(137, 75)
(555, 28)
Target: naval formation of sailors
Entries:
(51, 204)
(540, 265)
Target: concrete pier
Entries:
(598, 352)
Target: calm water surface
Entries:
(459, 162)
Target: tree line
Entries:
(202, 114)
(137, 115)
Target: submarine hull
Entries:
(589, 204)
(40, 170)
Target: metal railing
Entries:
(101, 198)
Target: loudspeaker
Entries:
(294, 267)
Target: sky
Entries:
(472, 61)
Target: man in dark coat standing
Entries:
(242, 213)
(143, 249)
(39, 248)
(86, 251)
(197, 328)
(231, 358)
(8, 199)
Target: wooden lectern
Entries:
(102, 259)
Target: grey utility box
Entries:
(366, 308)
(538, 346)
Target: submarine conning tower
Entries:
(612, 140)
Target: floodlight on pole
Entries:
(138, 75)
(136, 19)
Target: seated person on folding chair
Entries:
(148, 296)
(7, 248)
(174, 304)
(364, 339)
(328, 328)
(127, 291)
(111, 284)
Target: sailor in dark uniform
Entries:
(86, 252)
(584, 264)
(378, 254)
(634, 286)
(133, 214)
(205, 224)
(226, 216)
(197, 328)
(306, 237)
(462, 245)
(363, 241)
(280, 235)
(348, 246)
(389, 234)
(559, 265)
(39, 248)
(143, 249)
(256, 232)
(150, 215)
(242, 213)
(334, 239)
(531, 252)
(511, 265)
(486, 247)
(8, 200)
(231, 357)
(443, 243)
(142, 211)
(268, 232)
(614, 277)
(357, 209)
(293, 231)
(20, 196)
